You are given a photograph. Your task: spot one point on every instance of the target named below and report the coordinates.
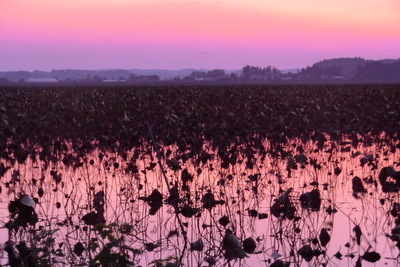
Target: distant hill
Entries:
(86, 75)
(15, 76)
(337, 70)
(353, 69)
(382, 70)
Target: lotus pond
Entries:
(200, 176)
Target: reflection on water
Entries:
(329, 203)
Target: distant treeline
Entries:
(340, 70)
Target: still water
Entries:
(303, 203)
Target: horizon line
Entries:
(191, 68)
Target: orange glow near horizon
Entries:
(236, 24)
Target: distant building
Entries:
(42, 80)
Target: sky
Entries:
(177, 34)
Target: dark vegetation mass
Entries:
(193, 171)
(118, 118)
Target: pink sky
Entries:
(94, 34)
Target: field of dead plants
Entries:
(200, 175)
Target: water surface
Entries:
(297, 203)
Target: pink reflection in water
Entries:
(244, 185)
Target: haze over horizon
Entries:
(156, 34)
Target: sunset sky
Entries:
(175, 34)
